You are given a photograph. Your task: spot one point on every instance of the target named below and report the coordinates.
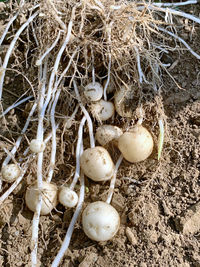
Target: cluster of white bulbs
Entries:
(100, 220)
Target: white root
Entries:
(69, 120)
(171, 11)
(36, 217)
(89, 121)
(68, 236)
(8, 27)
(180, 40)
(189, 2)
(140, 72)
(113, 180)
(10, 49)
(140, 120)
(57, 83)
(108, 79)
(39, 61)
(78, 153)
(15, 105)
(93, 68)
(40, 132)
(163, 50)
(31, 8)
(53, 147)
(35, 225)
(93, 75)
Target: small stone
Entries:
(153, 237)
(166, 238)
(188, 222)
(131, 236)
(118, 183)
(166, 209)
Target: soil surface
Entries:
(158, 202)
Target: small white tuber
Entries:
(49, 197)
(67, 197)
(93, 91)
(10, 173)
(136, 145)
(103, 110)
(100, 221)
(97, 164)
(37, 146)
(107, 133)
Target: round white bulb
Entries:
(107, 133)
(97, 164)
(10, 173)
(93, 91)
(100, 221)
(37, 146)
(49, 197)
(68, 197)
(136, 145)
(103, 110)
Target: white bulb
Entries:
(10, 173)
(68, 197)
(100, 221)
(97, 164)
(107, 133)
(103, 110)
(37, 146)
(49, 197)
(93, 91)
(136, 145)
